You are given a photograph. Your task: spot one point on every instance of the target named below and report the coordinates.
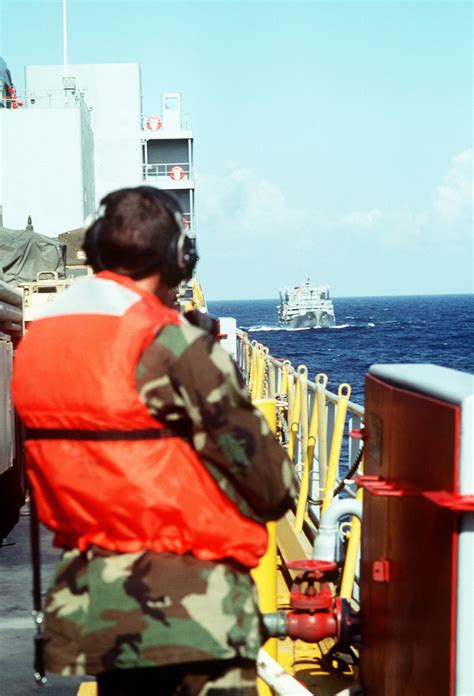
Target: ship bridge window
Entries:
(171, 103)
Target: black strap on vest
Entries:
(98, 435)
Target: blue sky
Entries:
(331, 138)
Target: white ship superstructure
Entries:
(306, 307)
(168, 160)
(47, 159)
(68, 141)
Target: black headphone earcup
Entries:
(90, 246)
(170, 271)
(178, 264)
(189, 257)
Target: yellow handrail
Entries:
(247, 359)
(271, 380)
(265, 367)
(198, 295)
(352, 553)
(285, 369)
(253, 368)
(343, 393)
(268, 377)
(303, 375)
(265, 574)
(258, 379)
(321, 382)
(290, 393)
(307, 436)
(295, 417)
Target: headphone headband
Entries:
(175, 264)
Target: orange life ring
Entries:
(153, 123)
(176, 173)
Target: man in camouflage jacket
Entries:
(163, 623)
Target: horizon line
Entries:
(346, 297)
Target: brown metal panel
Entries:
(407, 625)
(419, 604)
(423, 442)
(374, 596)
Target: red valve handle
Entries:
(310, 564)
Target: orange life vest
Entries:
(100, 469)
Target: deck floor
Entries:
(16, 622)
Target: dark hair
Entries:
(135, 229)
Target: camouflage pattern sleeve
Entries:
(190, 383)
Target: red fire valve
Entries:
(317, 614)
(312, 627)
(303, 595)
(314, 616)
(318, 568)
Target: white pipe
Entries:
(65, 37)
(10, 294)
(324, 548)
(273, 674)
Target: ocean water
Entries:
(435, 329)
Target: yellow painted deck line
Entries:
(87, 689)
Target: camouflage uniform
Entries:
(109, 611)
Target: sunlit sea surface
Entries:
(369, 330)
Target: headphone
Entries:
(175, 264)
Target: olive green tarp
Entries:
(24, 253)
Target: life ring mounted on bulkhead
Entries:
(154, 123)
(176, 173)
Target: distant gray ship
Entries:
(306, 307)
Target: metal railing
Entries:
(313, 424)
(48, 99)
(153, 123)
(176, 171)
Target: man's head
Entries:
(139, 232)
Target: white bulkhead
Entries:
(70, 141)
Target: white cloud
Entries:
(446, 220)
(448, 217)
(248, 229)
(362, 219)
(240, 200)
(454, 196)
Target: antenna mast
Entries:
(65, 37)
